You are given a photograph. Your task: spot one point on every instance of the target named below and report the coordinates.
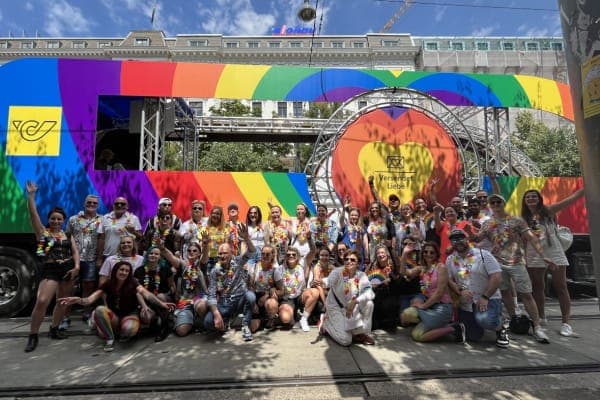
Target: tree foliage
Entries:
(554, 150)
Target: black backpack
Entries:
(520, 324)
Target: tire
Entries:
(18, 283)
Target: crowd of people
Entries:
(446, 271)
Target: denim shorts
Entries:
(436, 316)
(88, 271)
(477, 322)
(185, 316)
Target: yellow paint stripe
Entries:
(396, 72)
(240, 81)
(543, 93)
(513, 204)
(256, 191)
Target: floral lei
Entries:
(350, 285)
(301, 231)
(190, 277)
(376, 229)
(426, 279)
(88, 227)
(464, 268)
(46, 242)
(353, 231)
(147, 279)
(160, 237)
(322, 231)
(280, 234)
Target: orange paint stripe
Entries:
(221, 189)
(140, 78)
(196, 80)
(567, 102)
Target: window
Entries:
(27, 45)
(295, 45)
(298, 110)
(457, 46)
(508, 46)
(198, 43)
(274, 45)
(143, 42)
(3, 45)
(104, 44)
(557, 46)
(432, 46)
(257, 108)
(358, 45)
(79, 45)
(390, 43)
(282, 109)
(197, 107)
(337, 45)
(362, 104)
(53, 45)
(317, 45)
(232, 45)
(531, 46)
(253, 45)
(483, 46)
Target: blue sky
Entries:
(115, 18)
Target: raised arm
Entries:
(566, 202)
(36, 222)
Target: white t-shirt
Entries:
(136, 261)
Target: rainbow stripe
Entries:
(75, 85)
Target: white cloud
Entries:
(63, 17)
(532, 31)
(438, 13)
(485, 31)
(235, 17)
(29, 6)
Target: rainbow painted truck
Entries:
(51, 111)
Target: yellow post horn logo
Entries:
(33, 131)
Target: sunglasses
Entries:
(222, 254)
(482, 197)
(91, 203)
(197, 208)
(457, 240)
(120, 204)
(192, 250)
(291, 255)
(166, 205)
(495, 202)
(351, 259)
(166, 217)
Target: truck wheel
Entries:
(17, 285)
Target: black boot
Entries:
(54, 333)
(163, 328)
(32, 342)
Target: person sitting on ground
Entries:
(156, 277)
(192, 303)
(349, 304)
(228, 293)
(120, 314)
(475, 278)
(295, 275)
(127, 252)
(432, 310)
(267, 284)
(321, 271)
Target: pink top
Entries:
(429, 283)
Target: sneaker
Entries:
(90, 326)
(502, 340)
(540, 335)
(566, 330)
(460, 331)
(246, 334)
(109, 346)
(304, 324)
(64, 324)
(543, 321)
(363, 338)
(270, 324)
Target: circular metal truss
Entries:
(477, 151)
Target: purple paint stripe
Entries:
(341, 94)
(450, 98)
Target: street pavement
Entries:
(297, 365)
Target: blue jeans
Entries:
(477, 322)
(231, 307)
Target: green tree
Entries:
(554, 150)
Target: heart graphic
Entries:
(403, 150)
(402, 170)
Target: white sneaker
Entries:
(109, 346)
(540, 335)
(304, 324)
(544, 321)
(566, 330)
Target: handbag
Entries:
(565, 237)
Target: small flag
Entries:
(153, 14)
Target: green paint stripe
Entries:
(505, 87)
(507, 185)
(14, 215)
(284, 190)
(404, 80)
(279, 81)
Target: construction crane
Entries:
(405, 6)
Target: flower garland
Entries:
(280, 235)
(426, 280)
(377, 230)
(147, 279)
(46, 242)
(301, 231)
(190, 277)
(88, 227)
(353, 234)
(321, 229)
(159, 237)
(350, 285)
(291, 279)
(464, 266)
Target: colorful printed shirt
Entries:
(265, 278)
(506, 237)
(228, 283)
(293, 281)
(85, 232)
